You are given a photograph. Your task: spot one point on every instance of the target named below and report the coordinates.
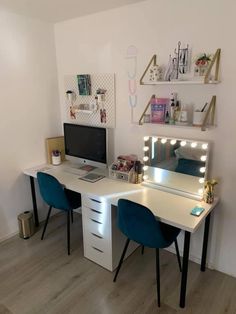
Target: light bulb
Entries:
(146, 148)
(201, 180)
(145, 168)
(173, 142)
(204, 146)
(194, 144)
(163, 140)
(146, 138)
(183, 143)
(203, 158)
(145, 158)
(145, 177)
(202, 169)
(154, 139)
(200, 191)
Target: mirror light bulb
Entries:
(163, 140)
(200, 191)
(201, 180)
(146, 148)
(202, 169)
(194, 144)
(154, 139)
(173, 142)
(145, 177)
(183, 143)
(145, 158)
(203, 158)
(145, 168)
(204, 146)
(146, 138)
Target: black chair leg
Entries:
(122, 258)
(72, 216)
(142, 249)
(178, 256)
(68, 232)
(46, 222)
(158, 277)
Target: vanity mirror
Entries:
(176, 164)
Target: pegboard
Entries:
(102, 80)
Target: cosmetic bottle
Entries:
(172, 112)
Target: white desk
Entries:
(103, 242)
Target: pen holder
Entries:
(56, 158)
(198, 118)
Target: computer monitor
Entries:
(85, 144)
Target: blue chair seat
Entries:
(139, 224)
(56, 196)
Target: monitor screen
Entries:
(85, 142)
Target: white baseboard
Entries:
(8, 236)
(191, 257)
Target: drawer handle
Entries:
(92, 199)
(98, 222)
(97, 249)
(96, 235)
(96, 211)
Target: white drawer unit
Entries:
(97, 231)
(103, 241)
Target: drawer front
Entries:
(92, 225)
(101, 258)
(94, 204)
(94, 240)
(93, 214)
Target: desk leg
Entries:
(36, 219)
(205, 242)
(184, 269)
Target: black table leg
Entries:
(184, 269)
(36, 219)
(205, 242)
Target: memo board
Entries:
(98, 81)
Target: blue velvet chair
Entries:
(140, 225)
(58, 197)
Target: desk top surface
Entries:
(169, 208)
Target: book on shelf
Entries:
(159, 107)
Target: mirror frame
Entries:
(205, 145)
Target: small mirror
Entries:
(177, 164)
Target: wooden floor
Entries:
(38, 277)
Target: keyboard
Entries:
(75, 171)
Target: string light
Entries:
(145, 158)
(146, 148)
(204, 146)
(194, 144)
(203, 158)
(146, 138)
(163, 140)
(173, 142)
(183, 143)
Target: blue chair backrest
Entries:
(139, 224)
(52, 191)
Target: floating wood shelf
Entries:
(208, 120)
(205, 79)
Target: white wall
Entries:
(29, 110)
(98, 43)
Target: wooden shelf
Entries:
(188, 126)
(206, 79)
(179, 82)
